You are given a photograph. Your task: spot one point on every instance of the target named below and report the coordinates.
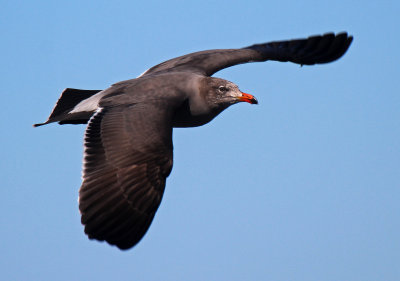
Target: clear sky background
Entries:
(304, 186)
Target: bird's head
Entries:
(220, 93)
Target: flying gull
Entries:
(128, 139)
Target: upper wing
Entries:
(127, 157)
(315, 49)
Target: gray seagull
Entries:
(128, 139)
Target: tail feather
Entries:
(68, 100)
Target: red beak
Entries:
(248, 98)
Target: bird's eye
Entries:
(223, 89)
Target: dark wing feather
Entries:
(313, 50)
(128, 155)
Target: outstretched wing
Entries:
(127, 157)
(313, 50)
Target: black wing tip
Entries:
(315, 49)
(121, 244)
(335, 34)
(348, 39)
(344, 35)
(338, 46)
(125, 247)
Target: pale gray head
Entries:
(220, 93)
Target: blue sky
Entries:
(304, 186)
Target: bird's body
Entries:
(128, 140)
